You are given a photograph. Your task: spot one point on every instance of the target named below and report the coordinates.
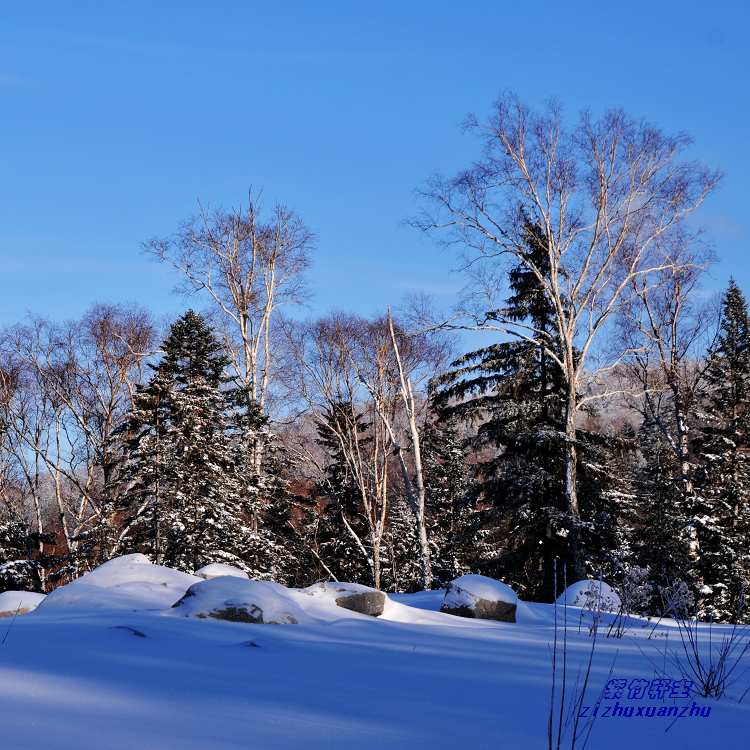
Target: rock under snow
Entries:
(216, 570)
(480, 597)
(231, 598)
(351, 596)
(590, 594)
(130, 582)
(18, 602)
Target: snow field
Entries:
(110, 665)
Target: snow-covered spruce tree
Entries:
(18, 572)
(661, 527)
(722, 454)
(511, 392)
(183, 500)
(273, 546)
(338, 550)
(401, 566)
(605, 488)
(621, 501)
(136, 517)
(449, 493)
(515, 392)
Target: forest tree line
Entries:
(600, 429)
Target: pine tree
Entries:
(274, 547)
(18, 571)
(135, 515)
(448, 491)
(660, 538)
(620, 497)
(514, 391)
(182, 495)
(401, 569)
(605, 476)
(722, 483)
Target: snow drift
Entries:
(590, 594)
(215, 570)
(18, 602)
(107, 661)
(130, 582)
(231, 598)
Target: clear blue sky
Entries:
(116, 117)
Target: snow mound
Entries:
(464, 591)
(216, 570)
(231, 598)
(130, 582)
(21, 602)
(590, 594)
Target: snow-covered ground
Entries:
(91, 671)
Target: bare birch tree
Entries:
(353, 368)
(668, 326)
(250, 268)
(604, 193)
(74, 382)
(390, 363)
(329, 384)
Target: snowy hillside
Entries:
(107, 662)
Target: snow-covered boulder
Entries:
(130, 582)
(216, 570)
(590, 594)
(480, 597)
(351, 596)
(18, 602)
(231, 598)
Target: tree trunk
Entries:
(376, 561)
(682, 445)
(424, 545)
(417, 499)
(571, 452)
(571, 483)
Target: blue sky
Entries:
(115, 118)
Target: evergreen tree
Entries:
(722, 485)
(660, 537)
(18, 571)
(620, 497)
(274, 546)
(182, 496)
(605, 475)
(514, 391)
(401, 568)
(448, 493)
